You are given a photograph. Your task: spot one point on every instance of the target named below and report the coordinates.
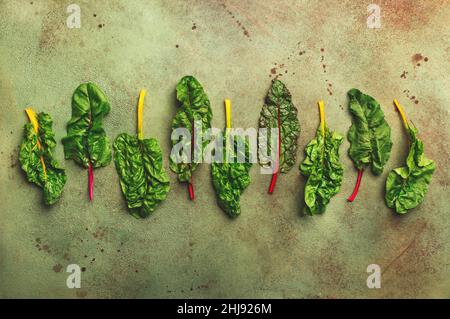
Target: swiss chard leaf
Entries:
(323, 169)
(194, 105)
(279, 108)
(370, 134)
(231, 177)
(278, 113)
(86, 141)
(407, 186)
(37, 160)
(143, 180)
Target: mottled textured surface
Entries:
(192, 249)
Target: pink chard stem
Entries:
(358, 182)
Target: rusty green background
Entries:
(320, 49)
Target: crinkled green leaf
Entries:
(407, 186)
(194, 106)
(370, 134)
(230, 177)
(86, 139)
(143, 179)
(279, 99)
(323, 169)
(30, 159)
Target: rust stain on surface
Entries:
(53, 30)
(81, 293)
(239, 23)
(414, 260)
(413, 98)
(291, 59)
(99, 233)
(14, 158)
(57, 268)
(329, 269)
(417, 58)
(405, 249)
(406, 15)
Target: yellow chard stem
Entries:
(322, 116)
(402, 113)
(34, 122)
(140, 109)
(228, 113)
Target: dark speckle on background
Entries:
(81, 293)
(239, 23)
(57, 268)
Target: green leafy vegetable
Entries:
(278, 113)
(231, 176)
(369, 135)
(36, 157)
(139, 163)
(407, 186)
(322, 167)
(86, 141)
(143, 180)
(194, 107)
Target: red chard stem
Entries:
(191, 189)
(273, 182)
(358, 182)
(91, 182)
(277, 163)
